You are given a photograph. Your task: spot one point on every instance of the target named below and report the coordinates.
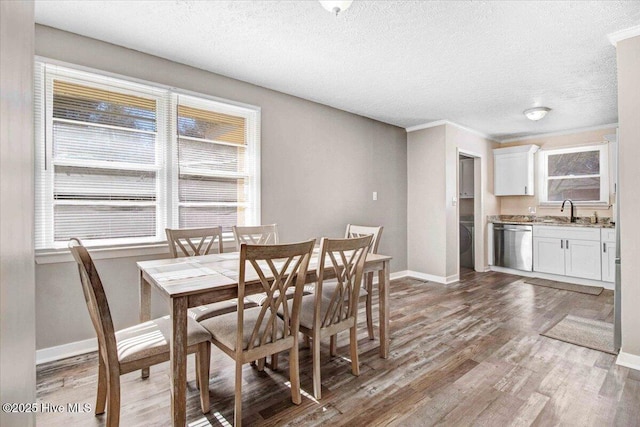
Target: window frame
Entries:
(166, 164)
(603, 153)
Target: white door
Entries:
(608, 261)
(511, 174)
(548, 255)
(582, 259)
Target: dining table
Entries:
(194, 281)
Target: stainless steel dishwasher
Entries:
(513, 246)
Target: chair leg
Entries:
(307, 341)
(261, 363)
(101, 398)
(197, 369)
(369, 283)
(237, 414)
(315, 349)
(113, 405)
(274, 362)
(294, 374)
(203, 360)
(355, 364)
(332, 345)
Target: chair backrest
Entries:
(277, 268)
(96, 300)
(363, 230)
(256, 234)
(186, 242)
(344, 262)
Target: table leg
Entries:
(383, 295)
(145, 309)
(178, 347)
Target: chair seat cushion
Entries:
(259, 299)
(328, 288)
(152, 338)
(203, 312)
(223, 328)
(306, 310)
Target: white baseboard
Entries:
(576, 280)
(628, 360)
(399, 274)
(433, 278)
(66, 350)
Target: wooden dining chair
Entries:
(256, 234)
(367, 283)
(188, 242)
(324, 314)
(257, 332)
(133, 348)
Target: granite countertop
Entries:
(583, 221)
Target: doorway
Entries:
(466, 212)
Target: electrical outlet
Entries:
(375, 195)
(532, 209)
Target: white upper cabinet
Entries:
(466, 179)
(513, 170)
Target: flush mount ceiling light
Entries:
(336, 6)
(536, 113)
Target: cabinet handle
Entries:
(604, 247)
(525, 189)
(567, 244)
(561, 244)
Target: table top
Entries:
(201, 274)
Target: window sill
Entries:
(55, 256)
(595, 205)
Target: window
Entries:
(579, 174)
(118, 162)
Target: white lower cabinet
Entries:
(548, 255)
(582, 259)
(567, 251)
(608, 255)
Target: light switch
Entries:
(375, 195)
(454, 202)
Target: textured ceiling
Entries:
(478, 64)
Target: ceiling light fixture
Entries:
(536, 113)
(336, 6)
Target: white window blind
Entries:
(117, 162)
(215, 184)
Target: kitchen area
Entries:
(557, 220)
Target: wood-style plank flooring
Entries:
(469, 353)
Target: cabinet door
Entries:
(608, 261)
(548, 255)
(582, 259)
(466, 179)
(511, 174)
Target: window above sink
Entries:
(577, 173)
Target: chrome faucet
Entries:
(573, 218)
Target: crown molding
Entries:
(448, 122)
(627, 33)
(560, 133)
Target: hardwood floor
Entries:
(469, 353)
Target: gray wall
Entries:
(628, 52)
(427, 227)
(319, 169)
(17, 284)
(432, 225)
